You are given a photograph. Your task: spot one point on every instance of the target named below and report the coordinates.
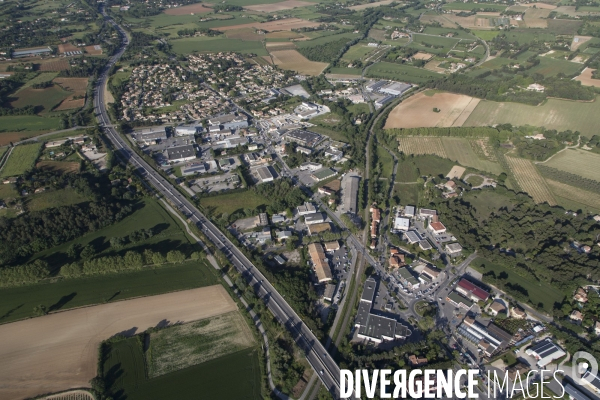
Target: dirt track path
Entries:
(59, 351)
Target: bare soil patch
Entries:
(76, 85)
(284, 35)
(586, 78)
(422, 56)
(189, 9)
(293, 60)
(274, 46)
(371, 5)
(417, 111)
(59, 351)
(63, 48)
(54, 65)
(94, 50)
(541, 5)
(63, 166)
(246, 34)
(284, 5)
(280, 25)
(578, 41)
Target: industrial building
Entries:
(395, 88)
(412, 237)
(468, 289)
(375, 86)
(303, 138)
(306, 208)
(375, 327)
(401, 224)
(351, 194)
(310, 166)
(38, 51)
(186, 130)
(195, 168)
(490, 338)
(408, 278)
(229, 121)
(181, 153)
(545, 352)
(264, 174)
(384, 100)
(320, 263)
(459, 301)
(314, 218)
(322, 174)
(409, 211)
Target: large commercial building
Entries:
(375, 327)
(195, 168)
(320, 263)
(314, 218)
(401, 224)
(395, 88)
(229, 121)
(181, 153)
(38, 51)
(471, 291)
(545, 352)
(322, 174)
(264, 174)
(489, 338)
(303, 138)
(187, 130)
(350, 192)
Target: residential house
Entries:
(580, 295)
(497, 307)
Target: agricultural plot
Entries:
(283, 5)
(42, 77)
(246, 34)
(572, 193)
(61, 166)
(78, 87)
(189, 9)
(434, 44)
(71, 395)
(458, 149)
(586, 78)
(320, 40)
(577, 162)
(277, 25)
(15, 128)
(357, 52)
(473, 6)
(230, 203)
(405, 73)
(293, 60)
(553, 114)
(66, 344)
(55, 65)
(21, 159)
(422, 145)
(54, 198)
(44, 100)
(417, 111)
(486, 35)
(551, 67)
(182, 346)
(530, 180)
(371, 5)
(204, 44)
(564, 26)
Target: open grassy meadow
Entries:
(552, 67)
(406, 171)
(386, 161)
(486, 35)
(539, 292)
(578, 162)
(18, 302)
(124, 373)
(326, 39)
(216, 44)
(21, 159)
(229, 203)
(169, 234)
(460, 150)
(406, 73)
(552, 114)
(487, 202)
(182, 346)
(473, 6)
(345, 71)
(44, 100)
(434, 44)
(407, 193)
(14, 128)
(357, 52)
(54, 198)
(433, 165)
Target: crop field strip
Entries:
(460, 149)
(21, 159)
(422, 145)
(530, 180)
(182, 346)
(578, 162)
(574, 194)
(66, 350)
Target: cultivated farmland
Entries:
(216, 44)
(21, 159)
(43, 100)
(422, 145)
(182, 346)
(459, 149)
(76, 85)
(553, 114)
(189, 9)
(577, 162)
(278, 25)
(71, 395)
(293, 60)
(530, 180)
(586, 78)
(406, 73)
(59, 351)
(417, 111)
(283, 5)
(55, 65)
(574, 194)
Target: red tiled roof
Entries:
(469, 287)
(436, 226)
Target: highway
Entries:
(327, 370)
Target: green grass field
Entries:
(17, 303)
(205, 44)
(406, 172)
(553, 114)
(486, 35)
(471, 6)
(44, 100)
(335, 135)
(125, 375)
(530, 35)
(21, 159)
(326, 39)
(387, 162)
(578, 162)
(149, 214)
(539, 292)
(345, 71)
(552, 67)
(24, 124)
(229, 203)
(441, 45)
(357, 52)
(458, 149)
(433, 165)
(486, 202)
(406, 73)
(54, 198)
(42, 77)
(8, 191)
(434, 30)
(408, 193)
